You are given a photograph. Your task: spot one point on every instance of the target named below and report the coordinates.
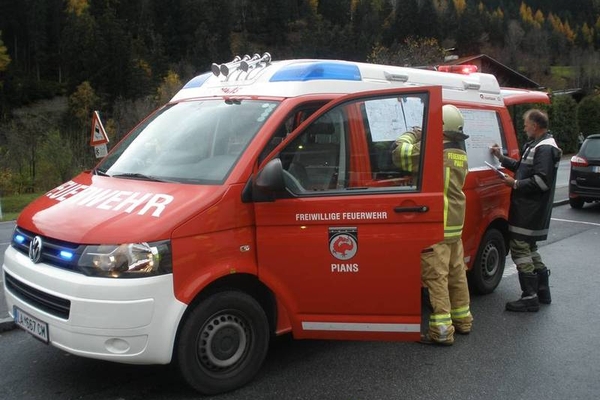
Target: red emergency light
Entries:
(458, 69)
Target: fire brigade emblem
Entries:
(343, 242)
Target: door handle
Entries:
(417, 209)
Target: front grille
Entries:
(53, 305)
(51, 250)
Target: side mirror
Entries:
(268, 182)
(270, 178)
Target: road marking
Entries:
(575, 222)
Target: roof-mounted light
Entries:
(197, 81)
(318, 70)
(465, 69)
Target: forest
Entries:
(62, 59)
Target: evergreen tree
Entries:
(588, 115)
(563, 123)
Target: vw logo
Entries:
(35, 249)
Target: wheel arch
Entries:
(501, 225)
(245, 283)
(480, 282)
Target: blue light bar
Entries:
(197, 81)
(19, 238)
(319, 70)
(66, 255)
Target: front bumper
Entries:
(124, 320)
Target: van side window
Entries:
(394, 132)
(351, 148)
(292, 121)
(484, 128)
(316, 159)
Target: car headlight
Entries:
(131, 260)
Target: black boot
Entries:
(543, 286)
(529, 299)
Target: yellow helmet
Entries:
(453, 123)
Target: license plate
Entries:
(596, 168)
(39, 329)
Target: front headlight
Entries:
(131, 260)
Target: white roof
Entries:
(292, 78)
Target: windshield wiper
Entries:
(101, 172)
(137, 175)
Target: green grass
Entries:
(13, 205)
(563, 71)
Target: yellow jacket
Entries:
(406, 156)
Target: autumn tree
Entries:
(168, 88)
(81, 106)
(411, 52)
(4, 58)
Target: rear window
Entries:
(591, 148)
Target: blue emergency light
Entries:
(19, 239)
(320, 70)
(66, 255)
(197, 81)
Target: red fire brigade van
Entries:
(261, 200)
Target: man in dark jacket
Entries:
(530, 208)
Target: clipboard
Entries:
(496, 170)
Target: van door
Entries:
(339, 241)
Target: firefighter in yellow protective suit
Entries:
(443, 271)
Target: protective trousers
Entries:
(443, 272)
(525, 256)
(527, 259)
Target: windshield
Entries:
(189, 142)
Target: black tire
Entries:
(576, 202)
(486, 273)
(223, 342)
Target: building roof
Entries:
(507, 77)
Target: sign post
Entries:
(99, 138)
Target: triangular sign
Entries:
(98, 133)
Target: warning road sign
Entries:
(98, 133)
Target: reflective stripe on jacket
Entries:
(455, 172)
(406, 156)
(407, 152)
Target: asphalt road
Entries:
(552, 354)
